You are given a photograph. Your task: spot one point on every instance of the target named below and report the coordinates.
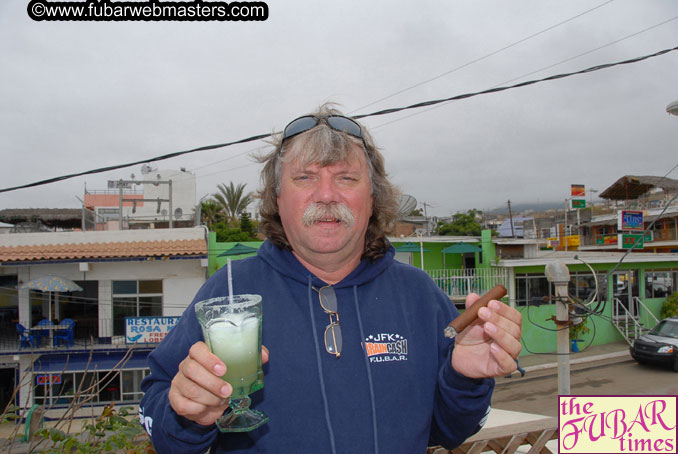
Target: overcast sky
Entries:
(76, 96)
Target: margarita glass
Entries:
(231, 327)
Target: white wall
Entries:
(183, 194)
(178, 294)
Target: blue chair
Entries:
(26, 338)
(43, 333)
(65, 335)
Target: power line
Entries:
(519, 85)
(617, 41)
(373, 114)
(542, 68)
(446, 73)
(130, 164)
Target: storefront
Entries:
(61, 380)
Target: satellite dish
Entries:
(178, 213)
(673, 108)
(406, 203)
(147, 168)
(163, 212)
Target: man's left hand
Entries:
(490, 345)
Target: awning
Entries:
(410, 247)
(461, 248)
(80, 362)
(630, 187)
(238, 249)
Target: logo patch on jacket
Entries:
(385, 347)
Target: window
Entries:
(82, 306)
(108, 214)
(135, 299)
(58, 389)
(533, 290)
(53, 389)
(660, 284)
(9, 303)
(109, 386)
(583, 286)
(131, 384)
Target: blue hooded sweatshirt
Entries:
(393, 389)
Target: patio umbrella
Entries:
(238, 249)
(459, 248)
(52, 284)
(410, 247)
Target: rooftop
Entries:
(160, 243)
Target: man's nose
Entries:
(326, 190)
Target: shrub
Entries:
(112, 432)
(670, 306)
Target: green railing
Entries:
(458, 283)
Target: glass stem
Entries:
(241, 404)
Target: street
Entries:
(539, 395)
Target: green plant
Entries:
(463, 224)
(11, 414)
(229, 234)
(247, 226)
(670, 306)
(577, 331)
(114, 431)
(232, 200)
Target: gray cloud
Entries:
(75, 96)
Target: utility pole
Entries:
(426, 215)
(565, 224)
(558, 274)
(513, 233)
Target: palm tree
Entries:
(210, 212)
(232, 200)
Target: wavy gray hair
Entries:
(324, 146)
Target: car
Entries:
(659, 345)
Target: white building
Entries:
(151, 273)
(156, 198)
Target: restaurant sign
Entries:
(148, 330)
(630, 221)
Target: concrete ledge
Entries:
(576, 364)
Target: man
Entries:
(326, 274)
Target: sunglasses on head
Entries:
(336, 122)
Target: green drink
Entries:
(236, 342)
(231, 327)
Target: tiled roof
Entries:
(103, 250)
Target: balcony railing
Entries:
(459, 283)
(88, 333)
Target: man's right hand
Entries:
(197, 391)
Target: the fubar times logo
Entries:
(617, 424)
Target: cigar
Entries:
(469, 315)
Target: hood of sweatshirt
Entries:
(286, 263)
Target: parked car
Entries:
(659, 346)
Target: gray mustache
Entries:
(319, 211)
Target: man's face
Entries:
(324, 237)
